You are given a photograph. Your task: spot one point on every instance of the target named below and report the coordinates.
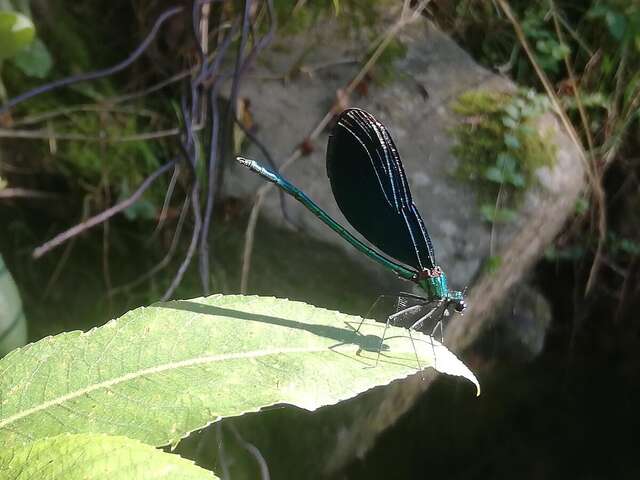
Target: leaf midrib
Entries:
(150, 371)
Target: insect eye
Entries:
(460, 306)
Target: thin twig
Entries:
(574, 34)
(50, 135)
(167, 200)
(214, 176)
(101, 217)
(387, 37)
(191, 151)
(195, 208)
(106, 271)
(493, 223)
(167, 258)
(574, 83)
(212, 165)
(26, 193)
(89, 108)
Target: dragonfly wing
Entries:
(371, 189)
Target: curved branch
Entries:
(101, 217)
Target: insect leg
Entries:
(392, 318)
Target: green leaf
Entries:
(617, 24)
(494, 174)
(336, 7)
(492, 214)
(513, 111)
(506, 162)
(492, 264)
(515, 179)
(629, 246)
(543, 46)
(87, 457)
(560, 50)
(511, 141)
(582, 205)
(158, 373)
(509, 122)
(16, 32)
(34, 60)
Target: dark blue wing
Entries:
(371, 189)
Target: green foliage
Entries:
(13, 324)
(600, 39)
(35, 60)
(582, 206)
(122, 165)
(16, 33)
(622, 19)
(120, 161)
(19, 44)
(600, 42)
(492, 264)
(499, 146)
(550, 52)
(158, 373)
(622, 247)
(107, 170)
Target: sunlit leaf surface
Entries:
(16, 32)
(99, 457)
(160, 372)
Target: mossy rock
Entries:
(500, 146)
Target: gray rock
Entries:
(286, 112)
(518, 329)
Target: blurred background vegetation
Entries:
(88, 153)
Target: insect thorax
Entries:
(434, 282)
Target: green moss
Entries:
(90, 167)
(92, 160)
(499, 145)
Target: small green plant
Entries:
(118, 165)
(19, 44)
(499, 146)
(492, 264)
(621, 247)
(153, 376)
